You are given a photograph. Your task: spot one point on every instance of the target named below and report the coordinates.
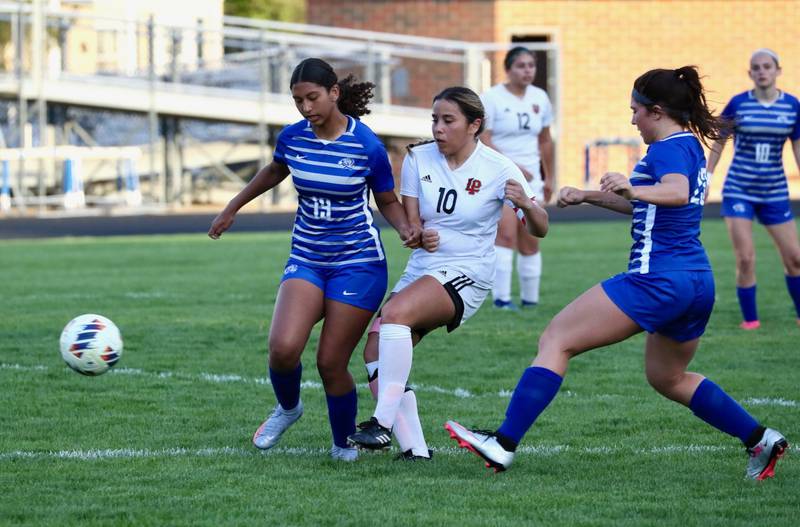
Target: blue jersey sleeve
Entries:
(279, 154)
(664, 158)
(729, 114)
(380, 177)
(796, 130)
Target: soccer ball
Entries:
(91, 344)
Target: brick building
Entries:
(603, 46)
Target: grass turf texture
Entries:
(164, 439)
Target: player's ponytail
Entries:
(680, 94)
(353, 96)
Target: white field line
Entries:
(460, 393)
(535, 451)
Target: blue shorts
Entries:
(770, 213)
(676, 304)
(360, 285)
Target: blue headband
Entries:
(641, 99)
(647, 101)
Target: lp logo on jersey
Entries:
(473, 185)
(535, 108)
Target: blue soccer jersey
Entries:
(668, 238)
(334, 223)
(756, 172)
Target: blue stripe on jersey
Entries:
(668, 238)
(334, 224)
(756, 172)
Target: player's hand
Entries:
(618, 184)
(516, 195)
(547, 190)
(430, 240)
(411, 236)
(570, 196)
(221, 223)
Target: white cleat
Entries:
(348, 454)
(271, 430)
(765, 454)
(482, 443)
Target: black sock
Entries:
(755, 437)
(508, 444)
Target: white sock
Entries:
(530, 273)
(501, 290)
(394, 364)
(408, 421)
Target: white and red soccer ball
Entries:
(91, 344)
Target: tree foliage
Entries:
(282, 10)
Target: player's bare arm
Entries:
(411, 207)
(395, 214)
(671, 191)
(536, 218)
(573, 196)
(547, 149)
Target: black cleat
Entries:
(371, 435)
(408, 455)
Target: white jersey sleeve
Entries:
(409, 177)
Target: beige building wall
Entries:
(605, 45)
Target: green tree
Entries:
(282, 10)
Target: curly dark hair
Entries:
(354, 96)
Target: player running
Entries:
(667, 291)
(764, 118)
(454, 187)
(337, 266)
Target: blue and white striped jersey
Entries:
(334, 223)
(668, 238)
(756, 172)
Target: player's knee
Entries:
(746, 262)
(331, 368)
(552, 343)
(662, 382)
(397, 313)
(283, 352)
(792, 263)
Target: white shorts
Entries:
(466, 295)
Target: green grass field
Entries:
(164, 438)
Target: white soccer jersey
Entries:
(516, 123)
(463, 205)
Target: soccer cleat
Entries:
(528, 305)
(409, 455)
(505, 305)
(344, 453)
(371, 435)
(482, 443)
(750, 324)
(765, 454)
(271, 430)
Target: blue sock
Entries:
(342, 415)
(718, 409)
(534, 391)
(286, 386)
(793, 285)
(747, 302)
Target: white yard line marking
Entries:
(537, 451)
(460, 393)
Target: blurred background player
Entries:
(667, 291)
(755, 186)
(455, 187)
(518, 118)
(337, 265)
